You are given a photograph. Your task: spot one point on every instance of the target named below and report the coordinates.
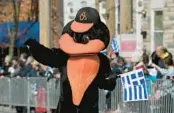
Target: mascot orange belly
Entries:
(81, 72)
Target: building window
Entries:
(158, 20)
(158, 28)
(84, 3)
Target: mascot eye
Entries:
(85, 39)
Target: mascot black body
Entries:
(83, 68)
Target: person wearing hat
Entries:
(83, 68)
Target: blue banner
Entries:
(26, 30)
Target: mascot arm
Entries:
(50, 57)
(104, 73)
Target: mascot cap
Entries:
(85, 18)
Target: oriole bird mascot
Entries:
(83, 68)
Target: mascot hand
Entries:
(30, 42)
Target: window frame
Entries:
(153, 30)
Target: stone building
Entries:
(158, 23)
(168, 24)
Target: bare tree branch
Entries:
(16, 12)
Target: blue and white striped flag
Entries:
(134, 86)
(115, 45)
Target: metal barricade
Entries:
(116, 96)
(5, 91)
(25, 92)
(19, 92)
(161, 99)
(102, 100)
(53, 93)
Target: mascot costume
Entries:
(83, 68)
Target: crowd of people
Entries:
(161, 61)
(25, 66)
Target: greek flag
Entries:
(115, 45)
(134, 86)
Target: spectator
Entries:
(27, 67)
(168, 70)
(15, 69)
(49, 72)
(56, 73)
(6, 66)
(23, 57)
(113, 55)
(145, 59)
(118, 65)
(37, 71)
(1, 60)
(158, 56)
(144, 62)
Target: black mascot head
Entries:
(86, 34)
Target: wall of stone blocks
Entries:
(168, 24)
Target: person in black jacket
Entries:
(83, 68)
(6, 65)
(159, 55)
